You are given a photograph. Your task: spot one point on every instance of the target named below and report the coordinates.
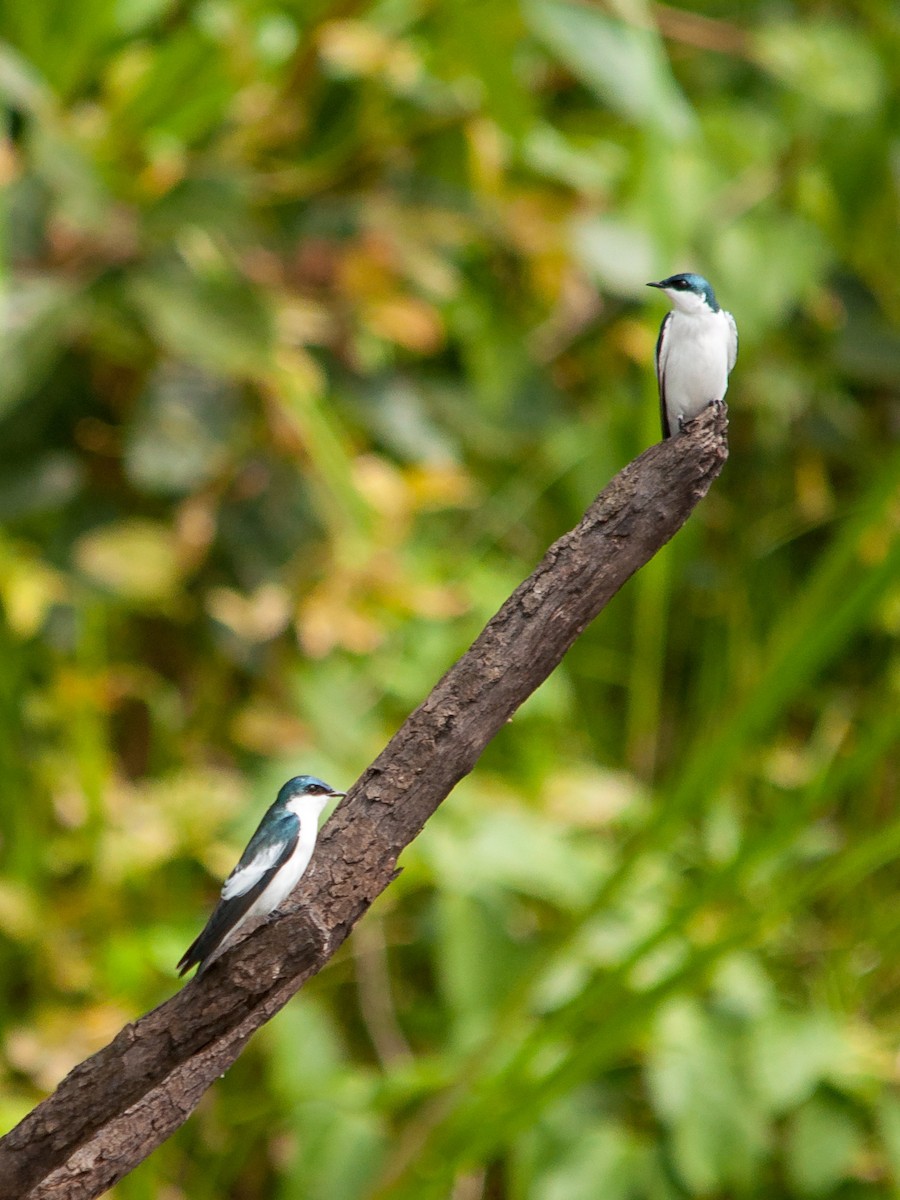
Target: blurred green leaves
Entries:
(319, 324)
(834, 64)
(37, 315)
(206, 315)
(625, 65)
(183, 425)
(133, 559)
(823, 1143)
(718, 1129)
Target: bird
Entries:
(695, 351)
(275, 859)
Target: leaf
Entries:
(37, 316)
(180, 435)
(620, 255)
(80, 195)
(791, 1053)
(833, 64)
(587, 166)
(28, 590)
(214, 320)
(516, 849)
(64, 42)
(182, 90)
(764, 299)
(888, 1114)
(717, 1127)
(625, 66)
(329, 1109)
(822, 1142)
(604, 1161)
(132, 15)
(21, 84)
(491, 61)
(338, 1150)
(303, 1030)
(134, 559)
(476, 960)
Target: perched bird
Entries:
(695, 351)
(275, 858)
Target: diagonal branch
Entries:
(113, 1109)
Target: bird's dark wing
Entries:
(263, 851)
(660, 374)
(241, 890)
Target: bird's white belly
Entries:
(695, 369)
(285, 881)
(279, 889)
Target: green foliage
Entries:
(321, 322)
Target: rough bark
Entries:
(113, 1109)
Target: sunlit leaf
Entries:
(625, 65)
(823, 1141)
(604, 1159)
(518, 849)
(64, 43)
(717, 1128)
(793, 1053)
(622, 257)
(889, 1128)
(29, 588)
(214, 320)
(182, 92)
(20, 83)
(134, 559)
(834, 64)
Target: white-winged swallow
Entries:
(695, 351)
(275, 859)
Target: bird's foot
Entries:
(685, 422)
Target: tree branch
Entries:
(113, 1109)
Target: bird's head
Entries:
(688, 292)
(306, 794)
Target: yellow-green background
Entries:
(321, 320)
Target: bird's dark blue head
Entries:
(305, 790)
(688, 285)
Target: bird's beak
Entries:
(336, 795)
(659, 285)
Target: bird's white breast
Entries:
(694, 361)
(290, 873)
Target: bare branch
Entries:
(113, 1109)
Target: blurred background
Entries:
(322, 318)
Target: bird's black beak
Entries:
(336, 795)
(659, 285)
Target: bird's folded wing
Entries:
(238, 902)
(232, 908)
(251, 869)
(733, 342)
(662, 353)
